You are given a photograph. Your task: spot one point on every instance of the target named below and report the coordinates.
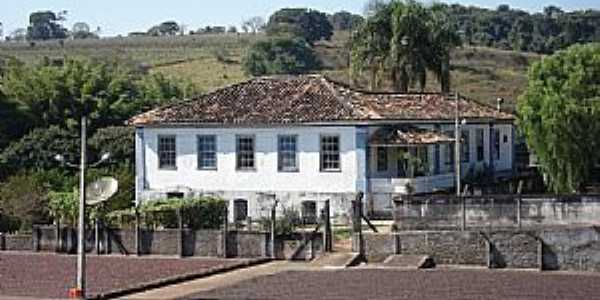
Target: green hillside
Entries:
(212, 61)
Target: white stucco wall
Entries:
(309, 178)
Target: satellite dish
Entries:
(101, 190)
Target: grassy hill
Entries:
(212, 61)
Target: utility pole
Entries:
(81, 237)
(457, 158)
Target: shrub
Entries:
(286, 224)
(197, 213)
(23, 197)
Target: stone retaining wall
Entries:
(574, 249)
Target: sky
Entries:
(122, 16)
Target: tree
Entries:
(118, 140)
(14, 121)
(311, 25)
(559, 114)
(37, 149)
(108, 92)
(44, 25)
(344, 20)
(253, 25)
(18, 35)
(23, 197)
(280, 56)
(81, 30)
(165, 28)
(405, 40)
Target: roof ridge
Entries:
(330, 84)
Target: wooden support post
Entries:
(225, 230)
(138, 241)
(180, 232)
(273, 228)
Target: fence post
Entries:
(273, 223)
(138, 241)
(58, 244)
(180, 232)
(97, 236)
(328, 242)
(463, 205)
(225, 229)
(357, 223)
(519, 190)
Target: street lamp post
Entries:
(79, 292)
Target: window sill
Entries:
(289, 171)
(206, 169)
(249, 170)
(331, 171)
(167, 168)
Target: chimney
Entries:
(499, 102)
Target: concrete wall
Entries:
(493, 213)
(21, 242)
(572, 249)
(208, 243)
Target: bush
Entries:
(286, 224)
(23, 197)
(197, 213)
(280, 56)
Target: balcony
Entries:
(419, 185)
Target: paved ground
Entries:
(184, 289)
(51, 276)
(363, 283)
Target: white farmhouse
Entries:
(305, 139)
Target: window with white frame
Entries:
(496, 143)
(167, 152)
(330, 153)
(245, 159)
(287, 153)
(240, 210)
(479, 135)
(207, 152)
(465, 147)
(382, 159)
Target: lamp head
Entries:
(59, 158)
(105, 156)
(463, 122)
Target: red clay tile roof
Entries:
(308, 99)
(408, 135)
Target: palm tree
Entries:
(405, 40)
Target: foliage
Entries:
(24, 197)
(285, 224)
(403, 41)
(14, 121)
(109, 92)
(197, 213)
(165, 28)
(559, 114)
(64, 206)
(344, 20)
(119, 141)
(309, 24)
(280, 56)
(253, 25)
(37, 149)
(543, 32)
(44, 25)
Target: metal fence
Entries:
(506, 211)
